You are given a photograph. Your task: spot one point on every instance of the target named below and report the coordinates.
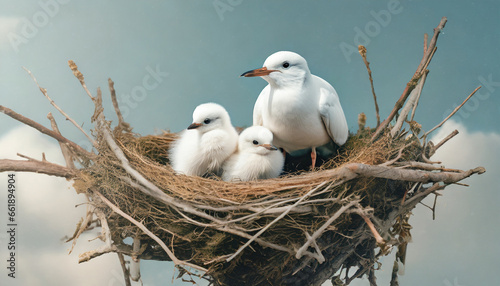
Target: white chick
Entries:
(256, 157)
(206, 143)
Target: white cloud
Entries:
(7, 25)
(47, 213)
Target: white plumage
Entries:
(206, 143)
(256, 157)
(301, 110)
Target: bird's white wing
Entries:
(332, 115)
(260, 105)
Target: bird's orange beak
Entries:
(194, 125)
(258, 72)
(269, 147)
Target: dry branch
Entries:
(46, 131)
(410, 105)
(41, 167)
(429, 52)
(68, 157)
(362, 51)
(453, 112)
(44, 92)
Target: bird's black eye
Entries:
(286, 64)
(255, 142)
(207, 121)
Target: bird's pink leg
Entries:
(313, 158)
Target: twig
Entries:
(242, 234)
(362, 51)
(429, 52)
(135, 268)
(446, 139)
(361, 121)
(288, 209)
(411, 104)
(89, 255)
(121, 121)
(400, 153)
(80, 77)
(421, 195)
(411, 175)
(126, 274)
(410, 190)
(322, 229)
(105, 236)
(426, 38)
(64, 149)
(452, 113)
(420, 165)
(149, 233)
(378, 238)
(46, 131)
(82, 227)
(44, 92)
(42, 167)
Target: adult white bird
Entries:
(256, 157)
(302, 110)
(206, 143)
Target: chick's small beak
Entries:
(257, 72)
(269, 147)
(194, 125)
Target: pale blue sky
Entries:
(166, 57)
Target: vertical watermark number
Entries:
(11, 225)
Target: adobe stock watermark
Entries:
(151, 80)
(489, 87)
(29, 28)
(373, 28)
(223, 6)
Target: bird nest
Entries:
(299, 229)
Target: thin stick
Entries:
(288, 209)
(426, 38)
(44, 92)
(323, 228)
(412, 83)
(121, 121)
(64, 149)
(45, 130)
(410, 104)
(378, 238)
(126, 274)
(80, 77)
(446, 139)
(453, 112)
(149, 233)
(362, 51)
(82, 227)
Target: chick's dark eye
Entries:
(207, 121)
(286, 64)
(255, 142)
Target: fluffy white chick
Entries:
(256, 157)
(206, 143)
